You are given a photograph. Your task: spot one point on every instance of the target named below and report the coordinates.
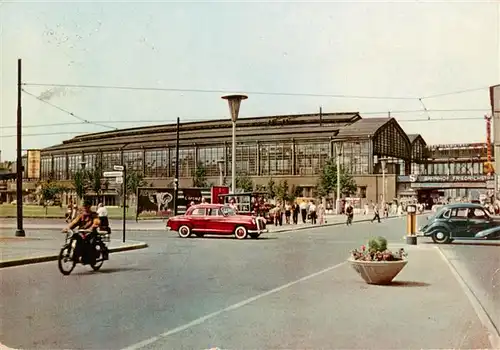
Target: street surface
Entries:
(286, 290)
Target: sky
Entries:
(369, 49)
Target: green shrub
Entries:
(378, 244)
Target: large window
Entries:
(91, 160)
(209, 157)
(187, 166)
(110, 159)
(355, 157)
(276, 158)
(133, 160)
(311, 157)
(156, 163)
(60, 167)
(74, 164)
(46, 168)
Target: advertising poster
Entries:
(33, 164)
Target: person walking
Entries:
(321, 213)
(312, 213)
(376, 213)
(303, 211)
(296, 211)
(349, 212)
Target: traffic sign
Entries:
(118, 167)
(113, 174)
(119, 180)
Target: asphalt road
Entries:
(175, 282)
(479, 265)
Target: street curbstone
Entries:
(47, 258)
(292, 229)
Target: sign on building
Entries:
(34, 164)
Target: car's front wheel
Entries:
(441, 236)
(184, 231)
(241, 232)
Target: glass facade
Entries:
(46, 167)
(281, 157)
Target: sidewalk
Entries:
(424, 308)
(159, 224)
(16, 251)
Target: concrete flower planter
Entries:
(378, 272)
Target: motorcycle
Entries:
(80, 247)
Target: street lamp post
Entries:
(19, 162)
(338, 153)
(234, 107)
(383, 163)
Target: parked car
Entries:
(460, 221)
(216, 219)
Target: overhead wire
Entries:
(138, 88)
(218, 118)
(205, 120)
(85, 121)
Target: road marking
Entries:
(202, 319)
(493, 336)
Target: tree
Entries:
(200, 176)
(295, 191)
(134, 181)
(271, 188)
(81, 183)
(282, 191)
(327, 182)
(49, 191)
(244, 182)
(94, 181)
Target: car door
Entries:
(459, 222)
(478, 221)
(198, 220)
(217, 222)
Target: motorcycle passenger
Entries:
(349, 211)
(86, 220)
(102, 213)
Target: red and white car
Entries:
(216, 219)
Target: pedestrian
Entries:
(349, 212)
(288, 212)
(296, 211)
(303, 211)
(312, 212)
(376, 214)
(321, 213)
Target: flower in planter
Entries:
(377, 251)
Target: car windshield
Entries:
(227, 211)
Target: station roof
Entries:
(257, 129)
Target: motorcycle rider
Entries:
(86, 220)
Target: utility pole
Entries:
(124, 200)
(176, 180)
(320, 116)
(338, 150)
(19, 166)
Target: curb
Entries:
(62, 218)
(332, 224)
(46, 258)
(482, 314)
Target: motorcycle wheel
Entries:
(98, 257)
(65, 257)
